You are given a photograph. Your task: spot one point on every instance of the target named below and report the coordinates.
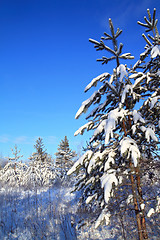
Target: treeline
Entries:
(41, 169)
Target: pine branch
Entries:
(105, 59)
(146, 39)
(150, 24)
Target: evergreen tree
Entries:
(40, 154)
(123, 151)
(15, 153)
(13, 162)
(64, 157)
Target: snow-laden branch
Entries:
(87, 103)
(87, 126)
(122, 71)
(94, 81)
(107, 181)
(85, 157)
(129, 149)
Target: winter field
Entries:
(43, 213)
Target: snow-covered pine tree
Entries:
(13, 170)
(41, 171)
(15, 153)
(40, 155)
(39, 174)
(64, 157)
(124, 146)
(13, 173)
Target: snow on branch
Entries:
(94, 81)
(104, 216)
(98, 156)
(109, 85)
(122, 71)
(108, 125)
(111, 122)
(90, 198)
(128, 89)
(109, 160)
(126, 56)
(87, 126)
(86, 156)
(86, 104)
(99, 130)
(137, 117)
(155, 51)
(139, 78)
(153, 101)
(107, 181)
(149, 133)
(129, 149)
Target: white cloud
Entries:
(23, 140)
(4, 138)
(32, 140)
(50, 140)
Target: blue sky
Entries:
(46, 61)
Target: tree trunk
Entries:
(145, 234)
(141, 223)
(136, 208)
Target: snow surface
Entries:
(32, 214)
(44, 213)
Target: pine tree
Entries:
(38, 172)
(64, 157)
(15, 153)
(13, 163)
(124, 148)
(40, 154)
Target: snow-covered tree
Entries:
(13, 169)
(39, 171)
(40, 155)
(15, 153)
(34, 174)
(124, 148)
(39, 174)
(64, 157)
(13, 173)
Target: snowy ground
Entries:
(35, 214)
(42, 214)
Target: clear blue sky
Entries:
(46, 61)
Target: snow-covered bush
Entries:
(13, 173)
(126, 123)
(33, 174)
